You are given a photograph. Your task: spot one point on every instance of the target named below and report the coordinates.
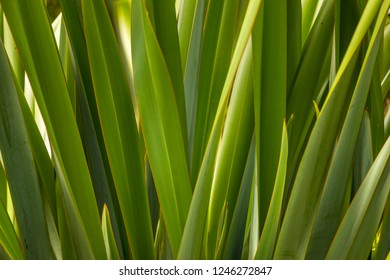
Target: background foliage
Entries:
(194, 129)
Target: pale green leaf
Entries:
(358, 228)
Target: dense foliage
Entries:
(195, 129)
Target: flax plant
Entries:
(194, 129)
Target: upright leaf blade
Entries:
(303, 88)
(108, 234)
(236, 236)
(186, 26)
(20, 168)
(30, 26)
(358, 228)
(192, 72)
(161, 126)
(294, 34)
(167, 36)
(273, 97)
(9, 241)
(300, 214)
(216, 53)
(119, 127)
(384, 241)
(3, 185)
(331, 206)
(364, 157)
(232, 151)
(269, 235)
(191, 246)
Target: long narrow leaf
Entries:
(273, 97)
(46, 76)
(8, 238)
(358, 228)
(119, 127)
(236, 236)
(330, 209)
(168, 38)
(191, 246)
(270, 232)
(160, 125)
(232, 151)
(216, 53)
(20, 169)
(300, 214)
(108, 234)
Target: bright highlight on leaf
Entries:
(195, 129)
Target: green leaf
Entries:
(20, 169)
(118, 126)
(241, 11)
(308, 16)
(364, 156)
(386, 45)
(88, 118)
(1, 24)
(257, 44)
(358, 228)
(51, 220)
(67, 245)
(350, 13)
(236, 235)
(3, 185)
(331, 205)
(216, 53)
(192, 72)
(72, 15)
(42, 159)
(386, 84)
(384, 241)
(168, 39)
(294, 34)
(191, 246)
(8, 239)
(232, 151)
(74, 225)
(160, 122)
(3, 254)
(13, 54)
(269, 234)
(186, 26)
(30, 26)
(387, 124)
(308, 75)
(254, 229)
(376, 105)
(108, 234)
(273, 97)
(305, 196)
